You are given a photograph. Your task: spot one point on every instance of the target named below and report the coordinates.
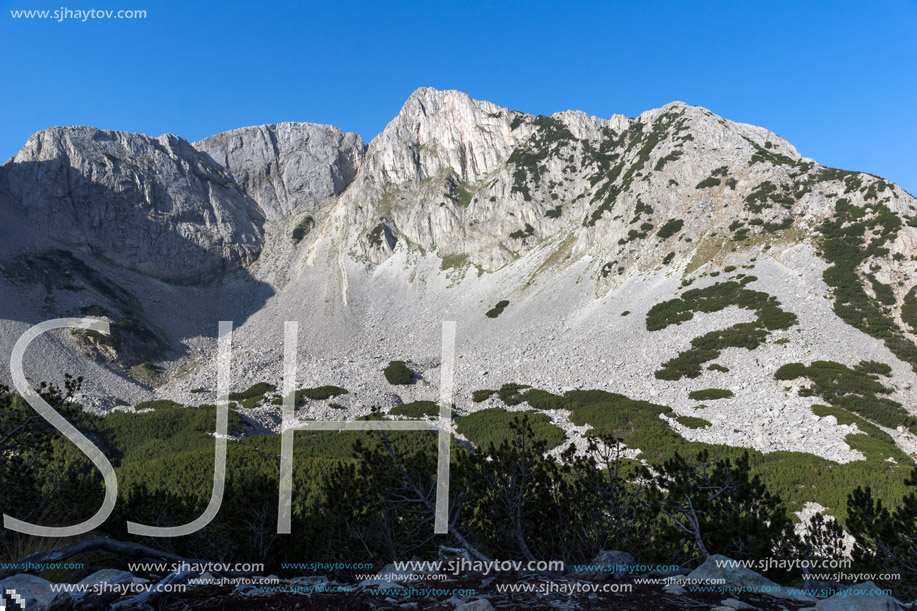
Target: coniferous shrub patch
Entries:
(670, 228)
(909, 309)
(157, 404)
(849, 239)
(416, 409)
(708, 182)
(521, 234)
(770, 317)
(693, 422)
(856, 390)
(479, 396)
(302, 229)
(489, 428)
(790, 371)
(710, 394)
(164, 463)
(320, 393)
(549, 139)
(398, 373)
(497, 309)
(254, 392)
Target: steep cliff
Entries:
(289, 167)
(157, 206)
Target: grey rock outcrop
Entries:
(479, 604)
(860, 597)
(288, 167)
(462, 177)
(608, 563)
(33, 591)
(154, 205)
(719, 569)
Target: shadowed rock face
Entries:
(288, 167)
(157, 206)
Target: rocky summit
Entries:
(676, 258)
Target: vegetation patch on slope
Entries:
(398, 373)
(416, 409)
(770, 317)
(856, 390)
(849, 239)
(909, 309)
(497, 309)
(489, 428)
(710, 394)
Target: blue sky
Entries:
(837, 79)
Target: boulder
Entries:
(860, 597)
(111, 576)
(674, 588)
(606, 564)
(474, 605)
(722, 570)
(33, 591)
(391, 573)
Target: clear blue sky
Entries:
(837, 79)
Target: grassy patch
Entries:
(453, 262)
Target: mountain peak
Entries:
(288, 167)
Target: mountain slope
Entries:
(629, 250)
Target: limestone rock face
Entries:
(154, 205)
(463, 177)
(441, 176)
(288, 167)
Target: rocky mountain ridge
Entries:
(582, 224)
